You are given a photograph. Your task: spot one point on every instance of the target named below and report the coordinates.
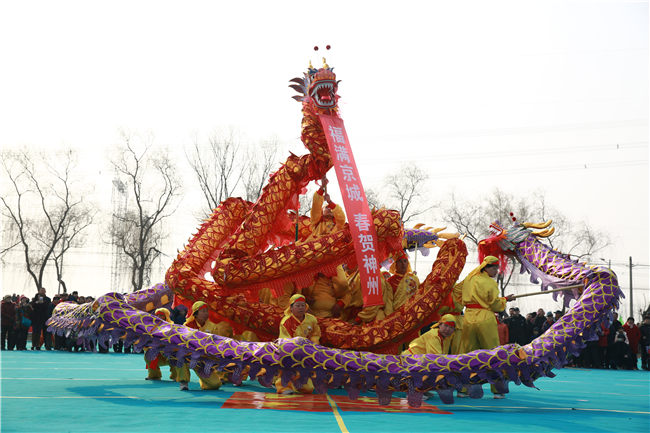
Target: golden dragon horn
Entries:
(537, 225)
(545, 233)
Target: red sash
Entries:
(394, 280)
(291, 324)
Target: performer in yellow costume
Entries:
(480, 296)
(356, 312)
(436, 341)
(324, 220)
(456, 310)
(153, 367)
(288, 290)
(200, 320)
(403, 281)
(327, 296)
(298, 323)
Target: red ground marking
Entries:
(319, 403)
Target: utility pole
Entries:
(631, 291)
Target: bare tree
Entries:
(79, 219)
(217, 167)
(259, 163)
(467, 217)
(45, 213)
(137, 230)
(374, 202)
(10, 238)
(406, 191)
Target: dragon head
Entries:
(502, 241)
(318, 88)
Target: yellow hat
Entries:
(197, 306)
(295, 298)
(448, 319)
(397, 256)
(488, 260)
(163, 313)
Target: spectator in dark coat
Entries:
(8, 315)
(540, 318)
(23, 323)
(548, 322)
(41, 305)
(621, 356)
(517, 328)
(533, 330)
(611, 336)
(644, 343)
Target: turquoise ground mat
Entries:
(91, 392)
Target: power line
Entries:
(542, 151)
(537, 150)
(572, 167)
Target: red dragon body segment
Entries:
(281, 193)
(242, 264)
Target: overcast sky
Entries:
(525, 96)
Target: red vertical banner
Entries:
(362, 227)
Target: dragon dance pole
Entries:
(561, 289)
(415, 263)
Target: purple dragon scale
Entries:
(129, 317)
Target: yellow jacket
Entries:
(483, 290)
(291, 326)
(222, 329)
(429, 342)
(326, 292)
(321, 226)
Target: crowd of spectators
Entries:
(21, 316)
(618, 346)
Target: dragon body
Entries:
(244, 247)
